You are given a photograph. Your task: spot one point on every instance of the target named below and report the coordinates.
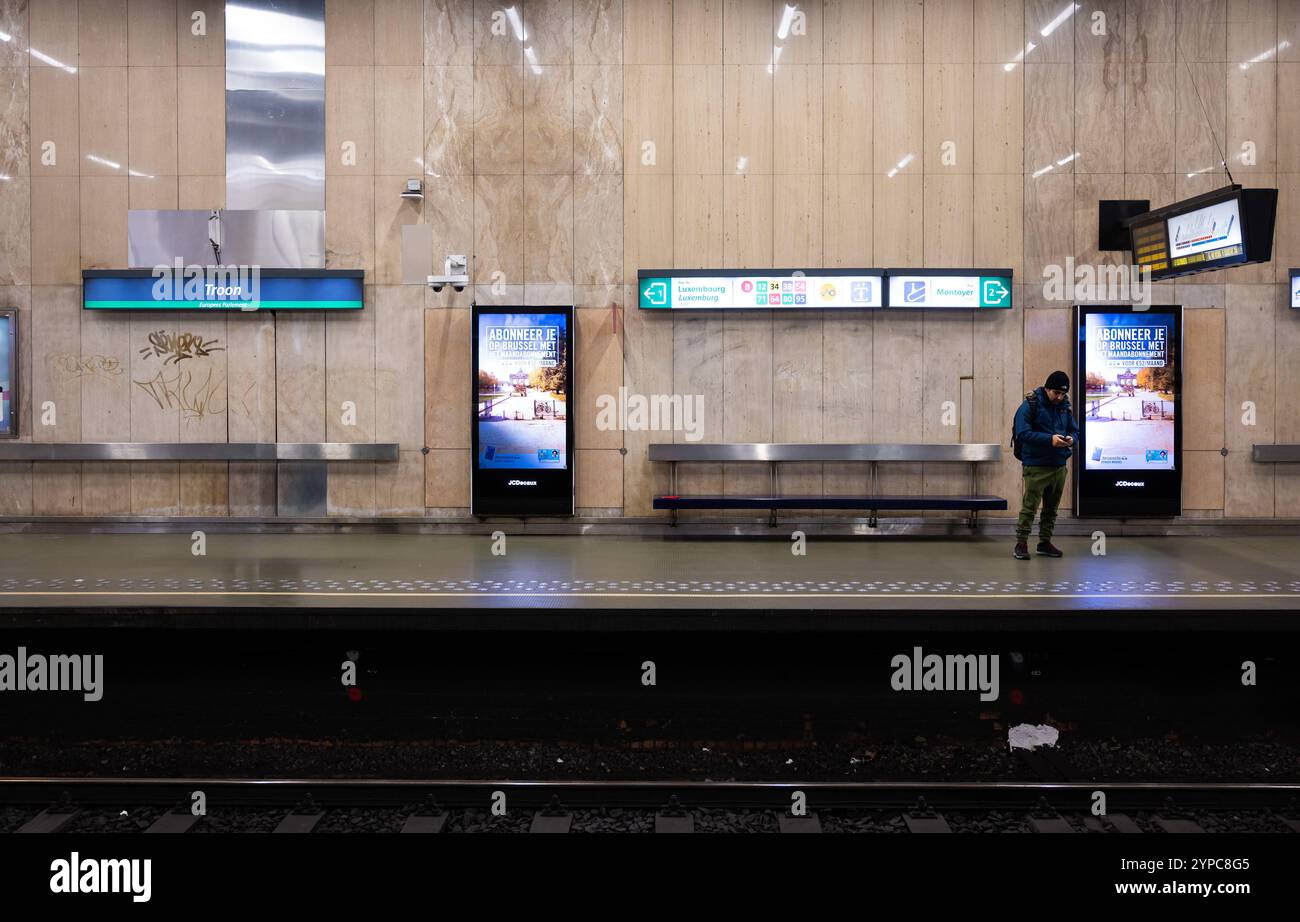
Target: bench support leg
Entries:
(672, 488)
(974, 490)
(771, 518)
(872, 521)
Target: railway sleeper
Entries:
(1045, 819)
(55, 819)
(430, 818)
(1177, 824)
(674, 819)
(1121, 822)
(922, 820)
(303, 818)
(179, 819)
(1173, 818)
(799, 824)
(554, 818)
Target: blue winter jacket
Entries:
(1035, 435)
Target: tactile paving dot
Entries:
(561, 587)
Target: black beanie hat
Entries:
(1057, 381)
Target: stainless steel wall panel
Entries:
(157, 238)
(275, 104)
(273, 239)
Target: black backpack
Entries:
(1032, 397)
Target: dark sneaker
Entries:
(1022, 551)
(1048, 549)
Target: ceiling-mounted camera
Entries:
(455, 274)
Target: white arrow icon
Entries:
(657, 293)
(994, 291)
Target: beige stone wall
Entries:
(537, 165)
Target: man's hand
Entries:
(1061, 442)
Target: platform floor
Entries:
(727, 579)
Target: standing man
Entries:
(1043, 438)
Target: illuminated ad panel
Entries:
(222, 288)
(522, 427)
(1128, 398)
(921, 289)
(768, 289)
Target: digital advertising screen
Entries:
(523, 427)
(8, 373)
(1128, 398)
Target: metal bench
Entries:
(774, 454)
(1276, 454)
(199, 451)
(302, 484)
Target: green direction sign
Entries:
(656, 292)
(995, 291)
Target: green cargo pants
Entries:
(1045, 485)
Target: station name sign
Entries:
(932, 290)
(222, 288)
(823, 289)
(1295, 288)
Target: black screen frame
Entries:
(1256, 209)
(13, 432)
(1096, 493)
(536, 491)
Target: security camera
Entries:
(455, 274)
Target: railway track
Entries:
(58, 804)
